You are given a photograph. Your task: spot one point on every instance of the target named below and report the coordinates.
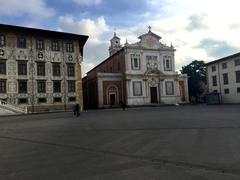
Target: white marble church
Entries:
(142, 73)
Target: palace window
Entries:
(214, 80)
(40, 44)
(2, 40)
(226, 91)
(237, 76)
(238, 89)
(70, 70)
(55, 45)
(2, 67)
(56, 69)
(237, 62)
(40, 69)
(135, 61)
(57, 99)
(224, 65)
(72, 99)
(42, 100)
(169, 88)
(69, 46)
(167, 60)
(137, 88)
(22, 67)
(2, 86)
(22, 86)
(22, 42)
(41, 86)
(56, 86)
(225, 78)
(22, 101)
(213, 68)
(71, 86)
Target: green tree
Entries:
(196, 72)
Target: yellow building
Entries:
(40, 70)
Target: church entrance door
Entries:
(112, 99)
(153, 93)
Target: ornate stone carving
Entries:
(3, 53)
(40, 56)
(55, 57)
(21, 54)
(70, 57)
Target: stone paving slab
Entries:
(184, 142)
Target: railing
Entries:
(10, 107)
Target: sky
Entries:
(199, 30)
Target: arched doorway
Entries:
(112, 95)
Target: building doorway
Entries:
(112, 96)
(182, 91)
(153, 93)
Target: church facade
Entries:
(142, 73)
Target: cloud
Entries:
(197, 31)
(96, 48)
(196, 22)
(16, 8)
(87, 2)
(216, 48)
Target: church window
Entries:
(151, 62)
(167, 60)
(135, 61)
(169, 88)
(137, 88)
(2, 40)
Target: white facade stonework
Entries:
(226, 71)
(153, 73)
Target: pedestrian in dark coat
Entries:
(123, 105)
(77, 110)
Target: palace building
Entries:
(142, 73)
(40, 70)
(223, 77)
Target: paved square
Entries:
(170, 143)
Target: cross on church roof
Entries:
(149, 27)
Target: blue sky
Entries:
(203, 30)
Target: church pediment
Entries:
(150, 40)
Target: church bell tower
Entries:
(115, 45)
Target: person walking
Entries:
(77, 110)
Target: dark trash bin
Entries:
(213, 98)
